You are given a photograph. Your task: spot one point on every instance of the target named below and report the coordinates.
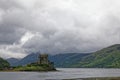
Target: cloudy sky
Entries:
(57, 26)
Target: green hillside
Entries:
(106, 58)
(67, 59)
(3, 64)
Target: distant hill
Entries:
(29, 59)
(67, 59)
(3, 63)
(106, 58)
(13, 61)
(33, 57)
(60, 60)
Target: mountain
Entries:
(60, 60)
(3, 63)
(12, 61)
(33, 57)
(106, 58)
(28, 59)
(67, 59)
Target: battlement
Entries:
(43, 55)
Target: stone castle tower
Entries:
(43, 59)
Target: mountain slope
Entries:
(105, 58)
(3, 63)
(68, 59)
(28, 59)
(60, 60)
(12, 61)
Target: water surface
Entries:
(63, 73)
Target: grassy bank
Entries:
(34, 68)
(31, 67)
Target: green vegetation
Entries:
(43, 65)
(68, 59)
(105, 58)
(3, 64)
(34, 67)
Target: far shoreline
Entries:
(96, 78)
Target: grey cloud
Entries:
(8, 4)
(59, 26)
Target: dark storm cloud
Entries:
(57, 26)
(10, 30)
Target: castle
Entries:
(43, 59)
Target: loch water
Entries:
(62, 73)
